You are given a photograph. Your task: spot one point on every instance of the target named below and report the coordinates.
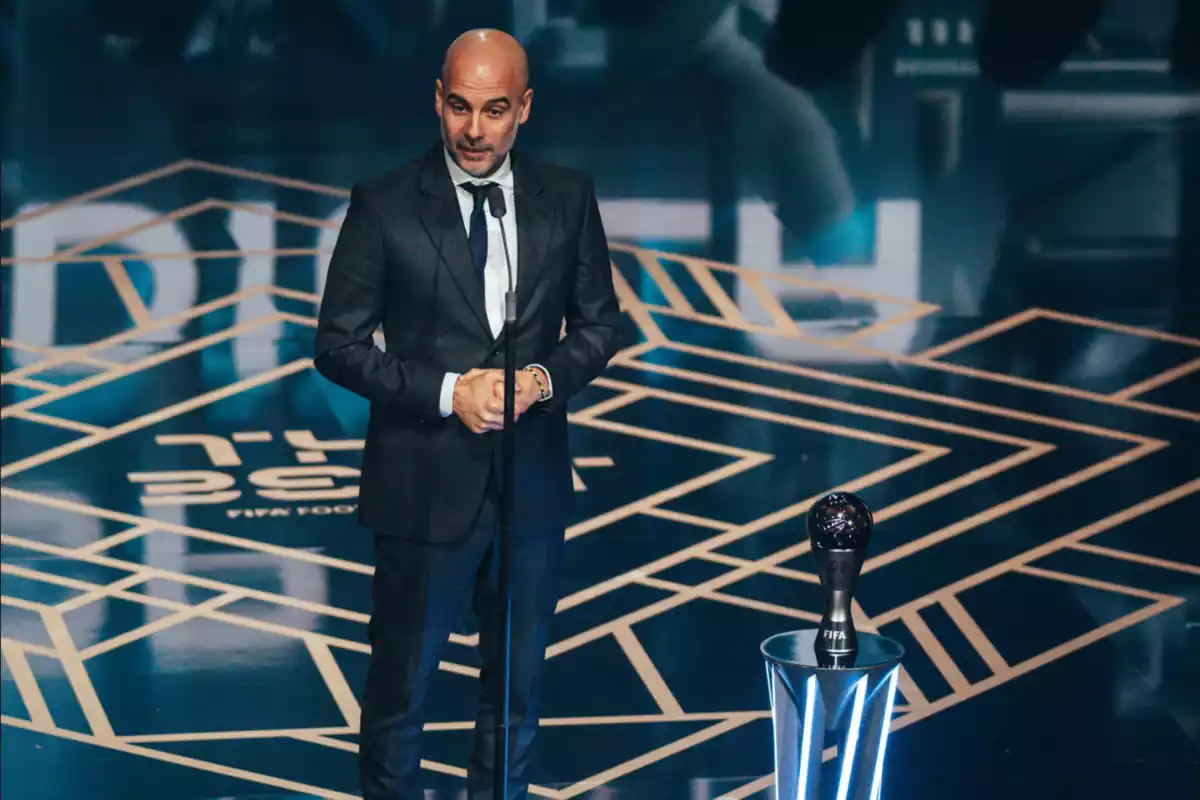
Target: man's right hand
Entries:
(475, 400)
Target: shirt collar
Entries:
(502, 176)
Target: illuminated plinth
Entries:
(850, 702)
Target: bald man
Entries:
(420, 255)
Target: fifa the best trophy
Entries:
(839, 528)
(833, 684)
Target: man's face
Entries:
(481, 106)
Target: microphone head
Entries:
(495, 198)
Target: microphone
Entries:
(495, 198)
(498, 208)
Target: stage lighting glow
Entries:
(877, 779)
(860, 693)
(806, 736)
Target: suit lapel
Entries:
(442, 218)
(534, 222)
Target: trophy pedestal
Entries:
(815, 704)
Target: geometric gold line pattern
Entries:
(923, 436)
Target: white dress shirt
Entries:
(495, 270)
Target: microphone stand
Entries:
(508, 441)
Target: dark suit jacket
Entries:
(402, 261)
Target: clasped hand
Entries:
(479, 398)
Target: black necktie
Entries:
(477, 236)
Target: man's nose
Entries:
(474, 128)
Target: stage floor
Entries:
(186, 590)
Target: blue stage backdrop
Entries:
(869, 265)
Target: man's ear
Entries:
(526, 102)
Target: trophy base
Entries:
(847, 696)
(828, 659)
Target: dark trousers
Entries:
(419, 590)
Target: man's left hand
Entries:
(526, 393)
